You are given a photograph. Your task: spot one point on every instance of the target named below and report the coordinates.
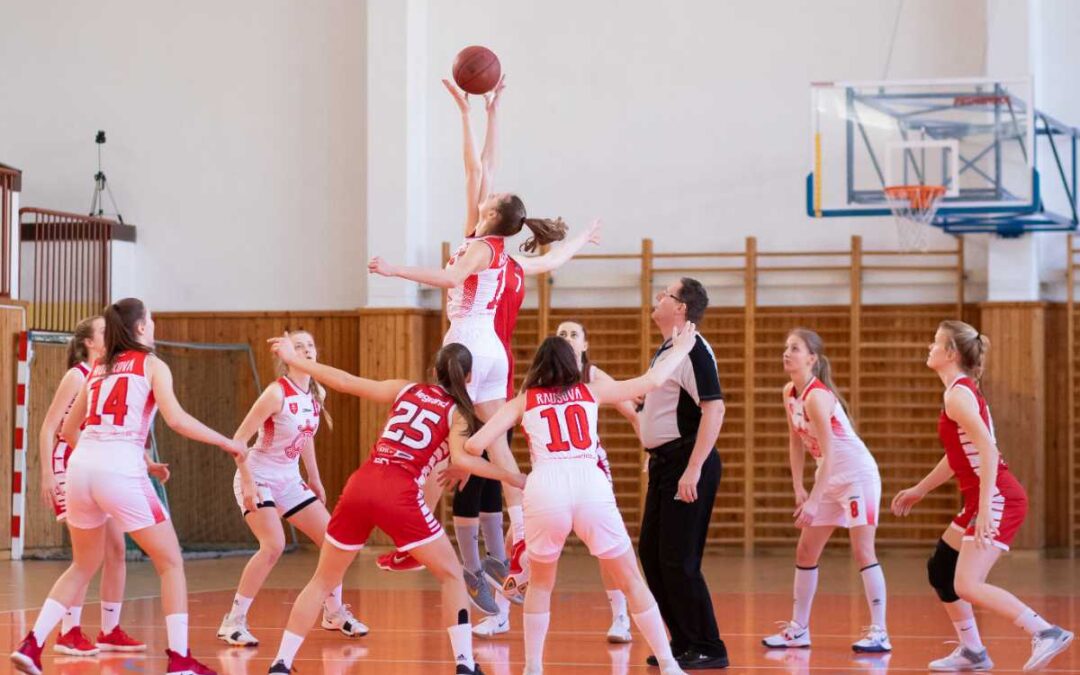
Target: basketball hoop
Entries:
(913, 207)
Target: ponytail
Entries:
(121, 318)
(545, 231)
(77, 350)
(453, 364)
(972, 346)
(513, 217)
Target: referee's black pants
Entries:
(671, 544)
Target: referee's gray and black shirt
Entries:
(673, 410)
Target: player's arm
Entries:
(906, 499)
(962, 408)
(475, 464)
(624, 390)
(625, 408)
(560, 255)
(489, 152)
(311, 468)
(476, 258)
(381, 391)
(268, 403)
(502, 421)
(66, 392)
(178, 419)
(796, 452)
(473, 168)
(73, 423)
(819, 407)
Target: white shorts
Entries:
(109, 479)
(572, 495)
(490, 369)
(284, 490)
(851, 504)
(60, 455)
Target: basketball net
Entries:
(913, 208)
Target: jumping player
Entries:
(269, 488)
(427, 422)
(567, 491)
(107, 478)
(846, 492)
(86, 347)
(994, 508)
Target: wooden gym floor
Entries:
(750, 594)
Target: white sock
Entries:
(176, 627)
(536, 627)
(1030, 621)
(333, 601)
(290, 644)
(651, 625)
(71, 619)
(504, 606)
(967, 631)
(517, 522)
(110, 616)
(873, 580)
(461, 643)
(51, 613)
(618, 603)
(240, 606)
(805, 587)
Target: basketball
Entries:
(476, 70)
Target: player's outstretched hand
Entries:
(683, 340)
(282, 347)
(379, 266)
(491, 99)
(594, 231)
(905, 500)
(235, 448)
(460, 98)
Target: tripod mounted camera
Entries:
(101, 187)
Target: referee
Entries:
(680, 421)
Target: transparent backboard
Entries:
(974, 137)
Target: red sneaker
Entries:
(185, 665)
(396, 561)
(75, 643)
(118, 641)
(27, 658)
(517, 581)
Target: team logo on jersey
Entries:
(293, 407)
(306, 433)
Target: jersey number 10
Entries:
(576, 422)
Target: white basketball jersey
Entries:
(851, 457)
(285, 434)
(121, 404)
(479, 295)
(561, 424)
(83, 369)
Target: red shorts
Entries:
(388, 498)
(1009, 505)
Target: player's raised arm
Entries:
(382, 391)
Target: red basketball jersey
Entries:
(959, 450)
(506, 314)
(415, 436)
(121, 404)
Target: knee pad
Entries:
(941, 570)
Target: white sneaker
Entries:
(619, 632)
(1046, 645)
(343, 620)
(235, 632)
(874, 641)
(492, 625)
(963, 659)
(791, 635)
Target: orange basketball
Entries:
(477, 69)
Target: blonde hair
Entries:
(970, 344)
(317, 390)
(822, 369)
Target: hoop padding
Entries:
(913, 208)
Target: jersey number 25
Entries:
(411, 426)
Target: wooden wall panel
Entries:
(12, 322)
(43, 534)
(1057, 427)
(1015, 387)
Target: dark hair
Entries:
(453, 363)
(512, 218)
(120, 320)
(822, 368)
(970, 344)
(553, 366)
(586, 364)
(77, 351)
(695, 298)
(315, 387)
